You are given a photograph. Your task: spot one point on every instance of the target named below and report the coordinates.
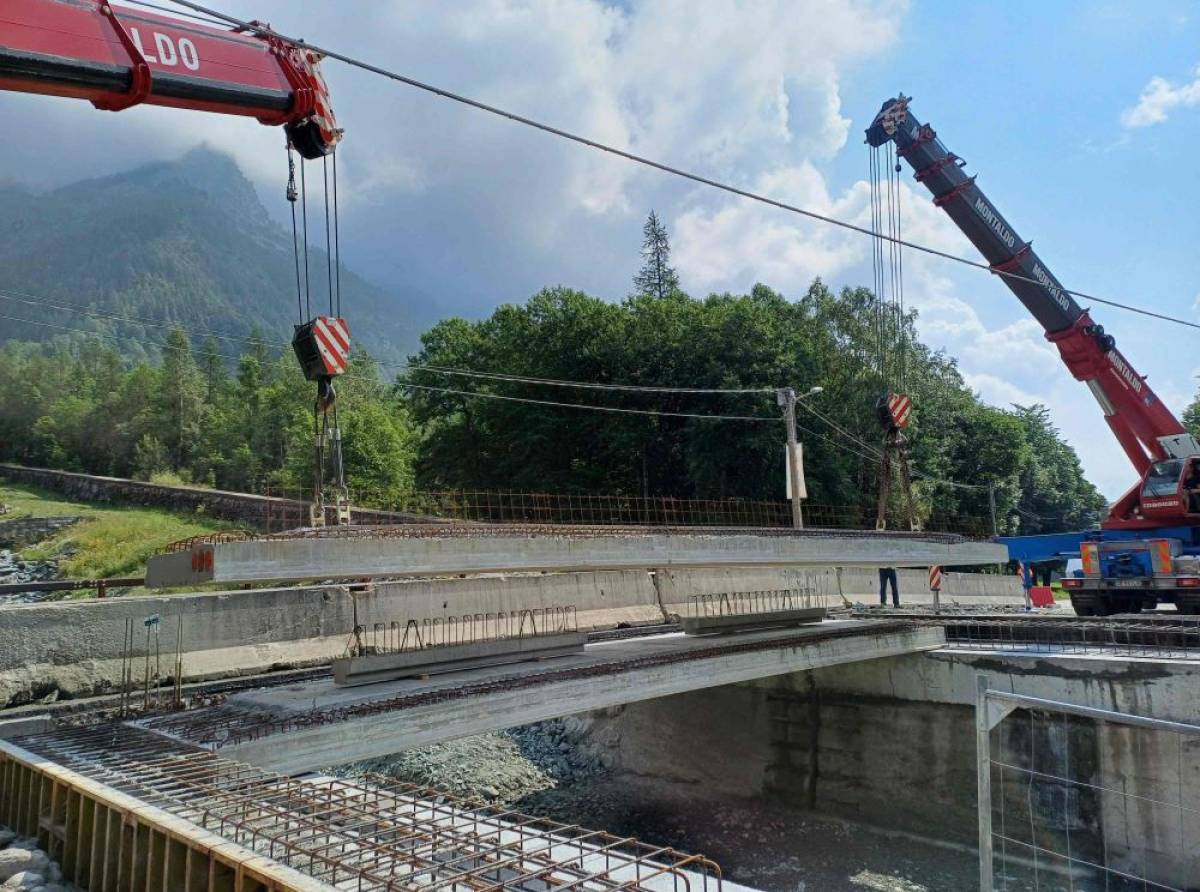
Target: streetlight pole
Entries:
(787, 399)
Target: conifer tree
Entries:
(657, 276)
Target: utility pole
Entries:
(787, 399)
(992, 507)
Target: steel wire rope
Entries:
(900, 280)
(328, 234)
(291, 197)
(337, 244)
(657, 165)
(304, 214)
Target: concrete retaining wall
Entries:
(74, 648)
(891, 743)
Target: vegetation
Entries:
(127, 392)
(725, 341)
(109, 541)
(185, 242)
(657, 276)
(192, 416)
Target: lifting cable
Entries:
(292, 196)
(304, 215)
(328, 235)
(337, 247)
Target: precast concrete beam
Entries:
(304, 727)
(370, 552)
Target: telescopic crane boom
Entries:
(1151, 436)
(117, 57)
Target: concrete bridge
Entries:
(293, 728)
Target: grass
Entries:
(111, 540)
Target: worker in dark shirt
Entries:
(886, 575)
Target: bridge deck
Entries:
(309, 725)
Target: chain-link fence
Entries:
(1081, 799)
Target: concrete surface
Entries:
(373, 668)
(891, 743)
(417, 551)
(739, 622)
(73, 648)
(375, 734)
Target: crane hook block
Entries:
(894, 411)
(323, 347)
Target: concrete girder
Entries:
(356, 553)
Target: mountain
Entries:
(186, 241)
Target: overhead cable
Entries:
(258, 28)
(465, 393)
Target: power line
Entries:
(465, 393)
(518, 399)
(556, 382)
(895, 241)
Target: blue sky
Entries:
(1081, 120)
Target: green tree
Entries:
(657, 276)
(180, 399)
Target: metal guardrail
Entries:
(69, 585)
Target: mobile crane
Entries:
(1147, 549)
(117, 57)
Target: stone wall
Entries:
(253, 511)
(27, 530)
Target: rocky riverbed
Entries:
(24, 867)
(15, 570)
(560, 770)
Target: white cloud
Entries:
(1159, 97)
(476, 209)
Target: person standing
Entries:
(888, 575)
(1025, 575)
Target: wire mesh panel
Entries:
(1075, 798)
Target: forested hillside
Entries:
(248, 425)
(187, 242)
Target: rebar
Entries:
(370, 834)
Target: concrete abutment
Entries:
(890, 743)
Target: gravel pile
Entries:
(25, 867)
(503, 767)
(15, 570)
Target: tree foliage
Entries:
(961, 447)
(656, 277)
(85, 410)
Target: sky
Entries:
(1080, 119)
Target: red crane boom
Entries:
(117, 57)
(1160, 449)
